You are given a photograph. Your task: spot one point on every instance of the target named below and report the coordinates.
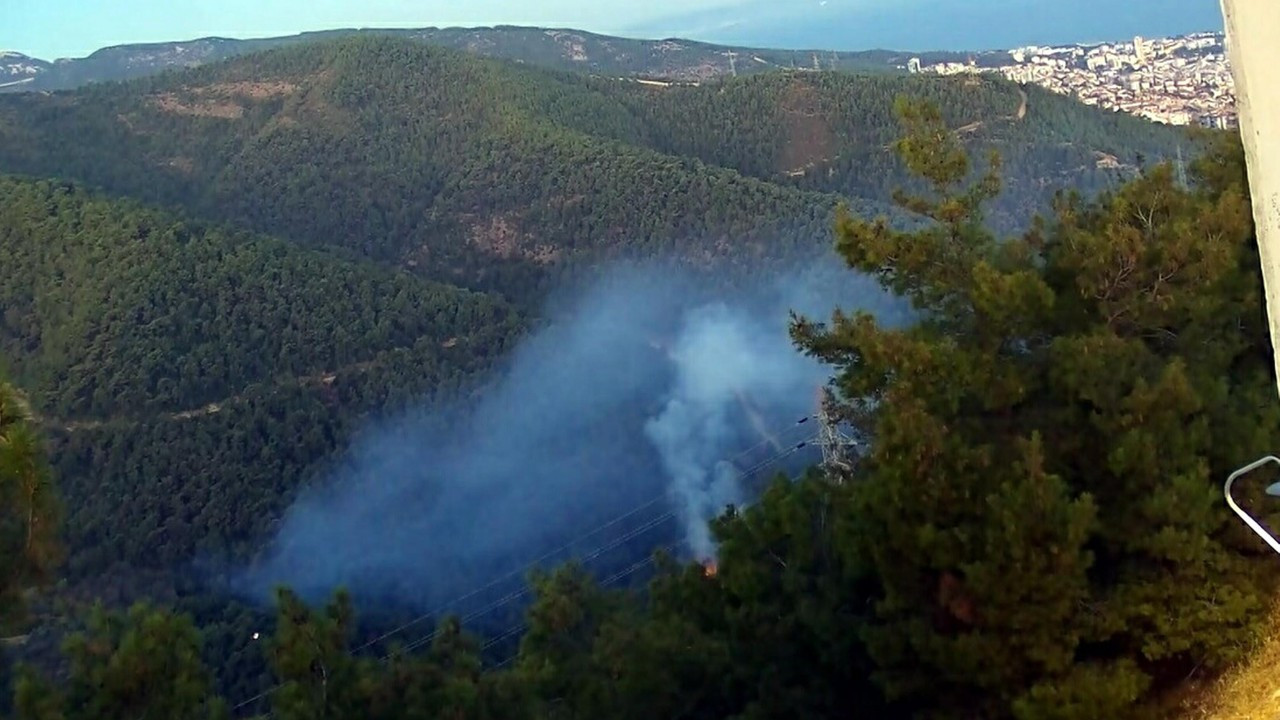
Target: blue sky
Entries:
(74, 28)
(941, 24)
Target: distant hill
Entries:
(211, 278)
(191, 375)
(501, 177)
(421, 204)
(18, 70)
(465, 169)
(557, 49)
(831, 132)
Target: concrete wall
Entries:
(1253, 40)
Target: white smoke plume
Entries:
(633, 391)
(722, 353)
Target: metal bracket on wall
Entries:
(1273, 490)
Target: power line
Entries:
(521, 627)
(759, 467)
(631, 535)
(568, 545)
(773, 460)
(516, 595)
(514, 573)
(516, 629)
(258, 697)
(768, 440)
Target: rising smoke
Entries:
(639, 396)
(722, 358)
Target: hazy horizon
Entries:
(41, 31)
(949, 25)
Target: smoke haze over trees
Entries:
(508, 179)
(631, 401)
(1035, 532)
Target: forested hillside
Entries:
(210, 280)
(831, 132)
(190, 375)
(502, 178)
(419, 157)
(558, 49)
(1034, 529)
(180, 353)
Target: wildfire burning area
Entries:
(592, 424)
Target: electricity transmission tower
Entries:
(837, 447)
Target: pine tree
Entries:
(29, 511)
(1038, 506)
(318, 676)
(556, 657)
(445, 683)
(143, 664)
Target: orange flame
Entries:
(709, 568)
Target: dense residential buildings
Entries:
(1179, 81)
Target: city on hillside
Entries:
(1178, 81)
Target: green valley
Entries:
(213, 280)
(501, 177)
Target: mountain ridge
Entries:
(426, 172)
(556, 48)
(542, 166)
(214, 278)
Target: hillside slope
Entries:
(831, 132)
(1249, 691)
(17, 70)
(192, 376)
(504, 177)
(154, 339)
(406, 154)
(559, 49)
